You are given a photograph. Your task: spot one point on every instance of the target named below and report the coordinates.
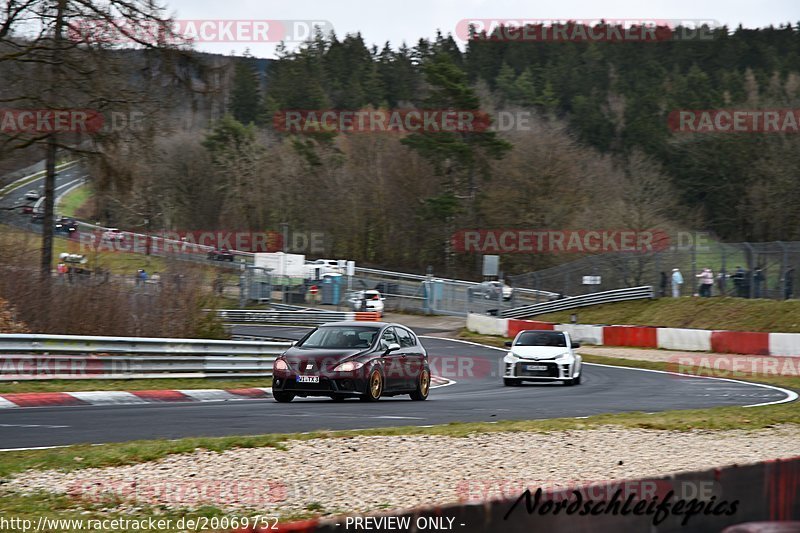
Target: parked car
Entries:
(492, 290)
(66, 225)
(536, 355)
(353, 359)
(222, 254)
(331, 265)
(369, 300)
(113, 235)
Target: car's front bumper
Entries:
(539, 370)
(334, 383)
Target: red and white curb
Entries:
(49, 399)
(69, 399)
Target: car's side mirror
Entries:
(393, 347)
(576, 344)
(509, 343)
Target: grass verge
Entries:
(81, 385)
(738, 314)
(71, 204)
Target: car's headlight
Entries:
(280, 364)
(349, 366)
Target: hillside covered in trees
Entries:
(598, 153)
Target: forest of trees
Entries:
(599, 153)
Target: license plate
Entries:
(308, 379)
(535, 367)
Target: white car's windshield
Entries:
(541, 338)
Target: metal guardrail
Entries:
(617, 295)
(36, 357)
(313, 318)
(39, 367)
(373, 272)
(71, 344)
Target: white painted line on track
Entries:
(35, 448)
(46, 426)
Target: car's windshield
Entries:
(340, 337)
(541, 338)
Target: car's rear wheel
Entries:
(423, 386)
(374, 386)
(282, 397)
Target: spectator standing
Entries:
(677, 281)
(758, 280)
(663, 284)
(788, 283)
(738, 282)
(722, 278)
(706, 282)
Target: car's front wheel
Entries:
(374, 386)
(282, 397)
(423, 386)
(574, 381)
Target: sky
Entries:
(408, 20)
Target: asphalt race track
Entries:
(476, 396)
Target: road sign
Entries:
(313, 290)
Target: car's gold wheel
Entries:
(423, 385)
(374, 386)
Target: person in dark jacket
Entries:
(758, 280)
(662, 285)
(739, 282)
(788, 283)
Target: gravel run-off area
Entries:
(379, 473)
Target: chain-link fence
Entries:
(748, 270)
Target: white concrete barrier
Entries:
(785, 344)
(583, 333)
(692, 340)
(487, 325)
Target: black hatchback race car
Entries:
(353, 359)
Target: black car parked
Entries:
(353, 359)
(66, 225)
(222, 254)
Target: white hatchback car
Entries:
(372, 299)
(537, 355)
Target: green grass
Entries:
(71, 203)
(689, 312)
(80, 385)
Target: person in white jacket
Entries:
(677, 281)
(706, 282)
